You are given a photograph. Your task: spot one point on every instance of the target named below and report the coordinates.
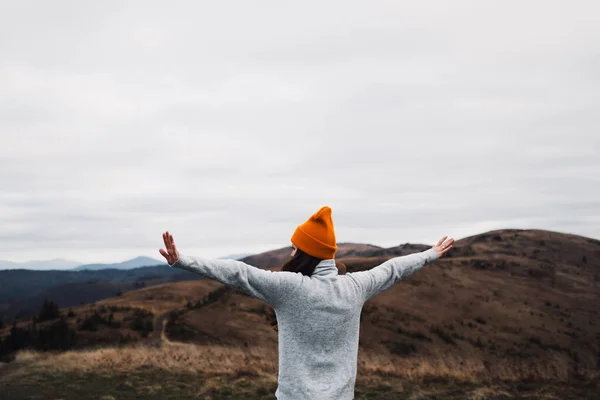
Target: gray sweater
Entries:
(318, 316)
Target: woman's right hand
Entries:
(443, 245)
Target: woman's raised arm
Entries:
(265, 285)
(383, 276)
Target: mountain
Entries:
(62, 264)
(42, 265)
(518, 304)
(22, 292)
(535, 253)
(129, 264)
(275, 258)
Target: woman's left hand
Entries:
(172, 255)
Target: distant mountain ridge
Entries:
(63, 264)
(129, 264)
(42, 265)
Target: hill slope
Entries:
(506, 306)
(503, 298)
(506, 297)
(22, 291)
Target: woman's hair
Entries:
(305, 264)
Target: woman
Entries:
(305, 264)
(318, 310)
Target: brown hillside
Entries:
(165, 297)
(506, 303)
(275, 258)
(506, 299)
(145, 305)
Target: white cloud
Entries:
(230, 123)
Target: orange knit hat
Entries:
(316, 236)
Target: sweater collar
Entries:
(325, 268)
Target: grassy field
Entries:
(184, 371)
(156, 384)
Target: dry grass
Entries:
(261, 361)
(452, 367)
(188, 371)
(484, 393)
(172, 357)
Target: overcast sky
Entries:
(229, 123)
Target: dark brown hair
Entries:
(304, 264)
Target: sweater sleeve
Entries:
(383, 276)
(265, 285)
